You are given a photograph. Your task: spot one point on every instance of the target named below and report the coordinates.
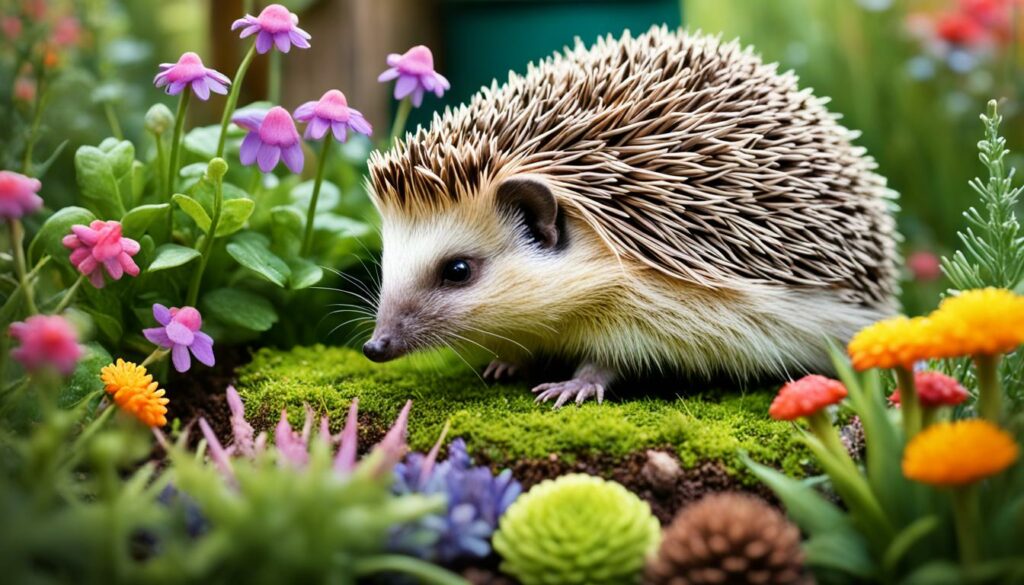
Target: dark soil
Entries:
(201, 393)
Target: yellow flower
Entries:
(987, 321)
(135, 392)
(958, 453)
(895, 342)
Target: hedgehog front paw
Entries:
(499, 370)
(564, 391)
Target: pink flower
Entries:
(293, 447)
(46, 340)
(67, 32)
(101, 246)
(272, 136)
(35, 9)
(189, 71)
(276, 26)
(179, 331)
(925, 266)
(415, 73)
(11, 26)
(25, 89)
(331, 113)
(18, 195)
(245, 441)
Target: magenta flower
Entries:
(46, 340)
(272, 136)
(331, 112)
(101, 246)
(415, 73)
(275, 26)
(179, 332)
(18, 195)
(189, 71)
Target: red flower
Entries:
(925, 266)
(805, 397)
(934, 390)
(960, 29)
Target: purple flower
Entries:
(331, 113)
(275, 26)
(476, 500)
(272, 136)
(189, 71)
(415, 73)
(179, 331)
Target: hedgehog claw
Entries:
(564, 391)
(498, 370)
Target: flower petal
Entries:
(293, 158)
(201, 89)
(264, 41)
(157, 336)
(250, 146)
(405, 85)
(180, 358)
(283, 43)
(267, 157)
(202, 348)
(162, 314)
(179, 333)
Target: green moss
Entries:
(502, 422)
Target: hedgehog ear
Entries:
(532, 200)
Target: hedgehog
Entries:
(659, 204)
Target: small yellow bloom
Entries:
(987, 321)
(958, 453)
(135, 392)
(895, 342)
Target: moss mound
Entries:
(502, 424)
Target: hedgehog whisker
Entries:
(451, 346)
(481, 346)
(512, 341)
(359, 296)
(362, 285)
(340, 325)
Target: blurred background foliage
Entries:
(911, 75)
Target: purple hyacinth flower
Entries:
(275, 26)
(332, 113)
(272, 137)
(190, 72)
(415, 74)
(179, 331)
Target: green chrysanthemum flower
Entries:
(577, 529)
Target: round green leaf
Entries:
(194, 210)
(172, 255)
(240, 308)
(137, 220)
(234, 215)
(250, 250)
(58, 225)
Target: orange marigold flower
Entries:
(958, 453)
(935, 389)
(805, 397)
(895, 342)
(987, 321)
(135, 392)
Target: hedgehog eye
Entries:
(456, 271)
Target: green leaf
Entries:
(812, 513)
(233, 216)
(97, 183)
(120, 155)
(203, 141)
(240, 308)
(841, 552)
(86, 378)
(936, 573)
(58, 225)
(108, 325)
(304, 273)
(39, 169)
(193, 209)
(136, 221)
(286, 227)
(172, 255)
(906, 539)
(250, 250)
(328, 199)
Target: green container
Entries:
(485, 39)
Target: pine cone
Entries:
(729, 539)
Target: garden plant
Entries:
(170, 412)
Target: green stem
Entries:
(205, 246)
(37, 118)
(229, 107)
(401, 117)
(965, 515)
(115, 126)
(64, 302)
(307, 241)
(425, 572)
(826, 433)
(17, 243)
(157, 355)
(161, 165)
(910, 406)
(179, 127)
(274, 78)
(990, 391)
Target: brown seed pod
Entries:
(728, 539)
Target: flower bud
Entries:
(217, 168)
(158, 119)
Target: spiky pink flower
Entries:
(272, 137)
(179, 332)
(331, 112)
(101, 246)
(18, 195)
(189, 71)
(415, 73)
(275, 26)
(46, 340)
